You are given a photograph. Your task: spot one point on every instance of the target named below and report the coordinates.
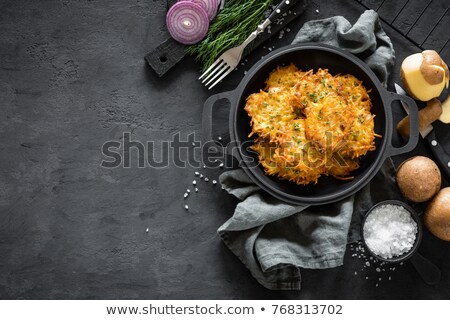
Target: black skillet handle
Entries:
(440, 155)
(413, 126)
(207, 117)
(281, 8)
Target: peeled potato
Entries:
(445, 116)
(437, 215)
(427, 116)
(425, 75)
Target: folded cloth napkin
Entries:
(275, 239)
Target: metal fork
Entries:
(229, 60)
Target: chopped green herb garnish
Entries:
(361, 118)
(304, 102)
(313, 97)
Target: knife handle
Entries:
(281, 8)
(441, 157)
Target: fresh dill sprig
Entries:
(230, 28)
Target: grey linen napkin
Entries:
(275, 239)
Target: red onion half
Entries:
(210, 7)
(187, 22)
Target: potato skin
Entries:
(418, 179)
(437, 215)
(427, 116)
(432, 75)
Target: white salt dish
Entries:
(391, 231)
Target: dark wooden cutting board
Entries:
(167, 54)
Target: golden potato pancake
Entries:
(309, 124)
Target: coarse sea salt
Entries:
(390, 231)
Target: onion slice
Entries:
(187, 22)
(210, 7)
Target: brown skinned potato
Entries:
(418, 178)
(437, 215)
(427, 116)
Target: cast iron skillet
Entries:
(306, 57)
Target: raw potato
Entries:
(427, 116)
(424, 75)
(437, 215)
(419, 178)
(445, 116)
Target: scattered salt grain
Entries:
(317, 11)
(186, 195)
(196, 189)
(214, 182)
(378, 269)
(193, 144)
(390, 231)
(194, 182)
(146, 230)
(204, 167)
(206, 179)
(219, 138)
(188, 190)
(186, 207)
(221, 165)
(197, 173)
(201, 176)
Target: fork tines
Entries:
(219, 69)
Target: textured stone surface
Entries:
(72, 76)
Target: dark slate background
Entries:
(72, 76)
